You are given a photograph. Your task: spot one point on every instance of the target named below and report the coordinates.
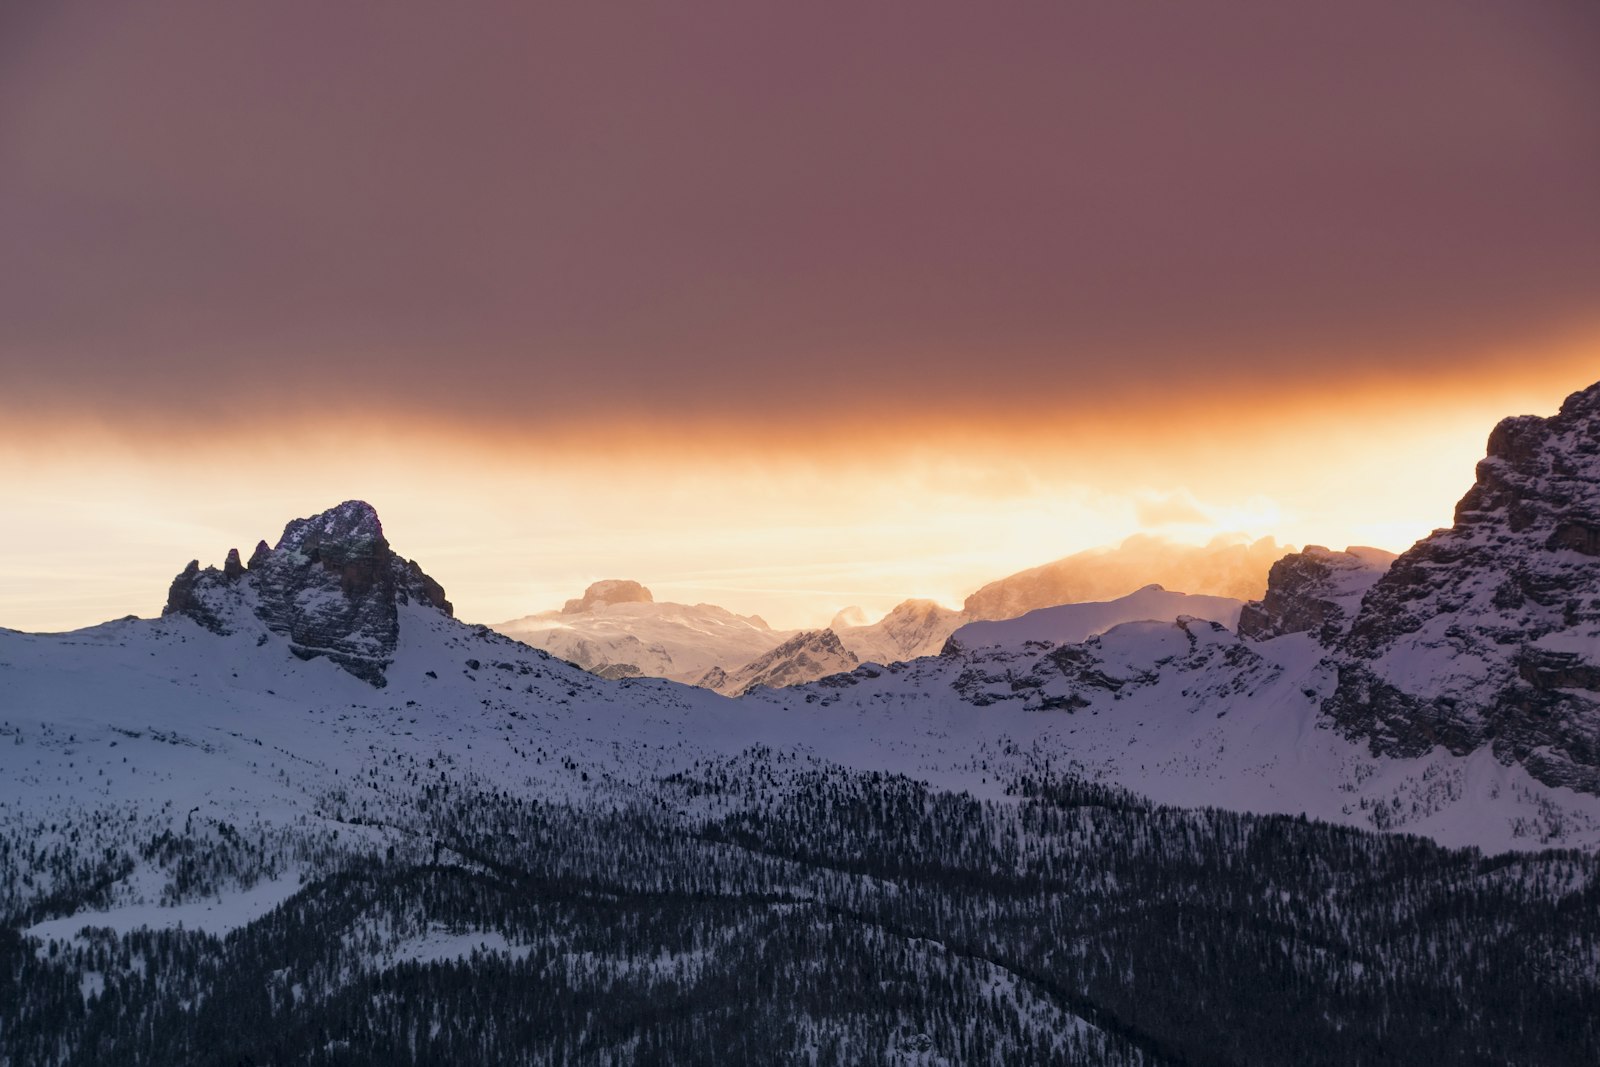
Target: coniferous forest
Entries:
(771, 909)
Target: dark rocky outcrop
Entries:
(185, 597)
(1488, 633)
(1314, 591)
(614, 672)
(715, 678)
(332, 586)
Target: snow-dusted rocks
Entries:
(1315, 591)
(1128, 657)
(332, 586)
(804, 657)
(1488, 633)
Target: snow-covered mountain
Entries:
(311, 684)
(804, 657)
(1229, 567)
(1188, 713)
(617, 625)
(912, 628)
(617, 630)
(1487, 634)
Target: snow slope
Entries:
(115, 736)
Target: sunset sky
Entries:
(782, 307)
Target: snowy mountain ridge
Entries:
(617, 629)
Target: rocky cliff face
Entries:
(332, 586)
(1315, 591)
(1488, 633)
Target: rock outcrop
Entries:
(1314, 591)
(332, 587)
(1214, 665)
(1488, 633)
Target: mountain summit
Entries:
(332, 586)
(610, 591)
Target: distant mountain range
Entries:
(617, 629)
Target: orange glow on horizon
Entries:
(792, 520)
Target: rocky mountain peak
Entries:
(606, 592)
(1539, 475)
(332, 586)
(352, 528)
(1488, 633)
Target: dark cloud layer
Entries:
(487, 209)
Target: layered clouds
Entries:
(1077, 268)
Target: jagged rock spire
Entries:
(332, 586)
